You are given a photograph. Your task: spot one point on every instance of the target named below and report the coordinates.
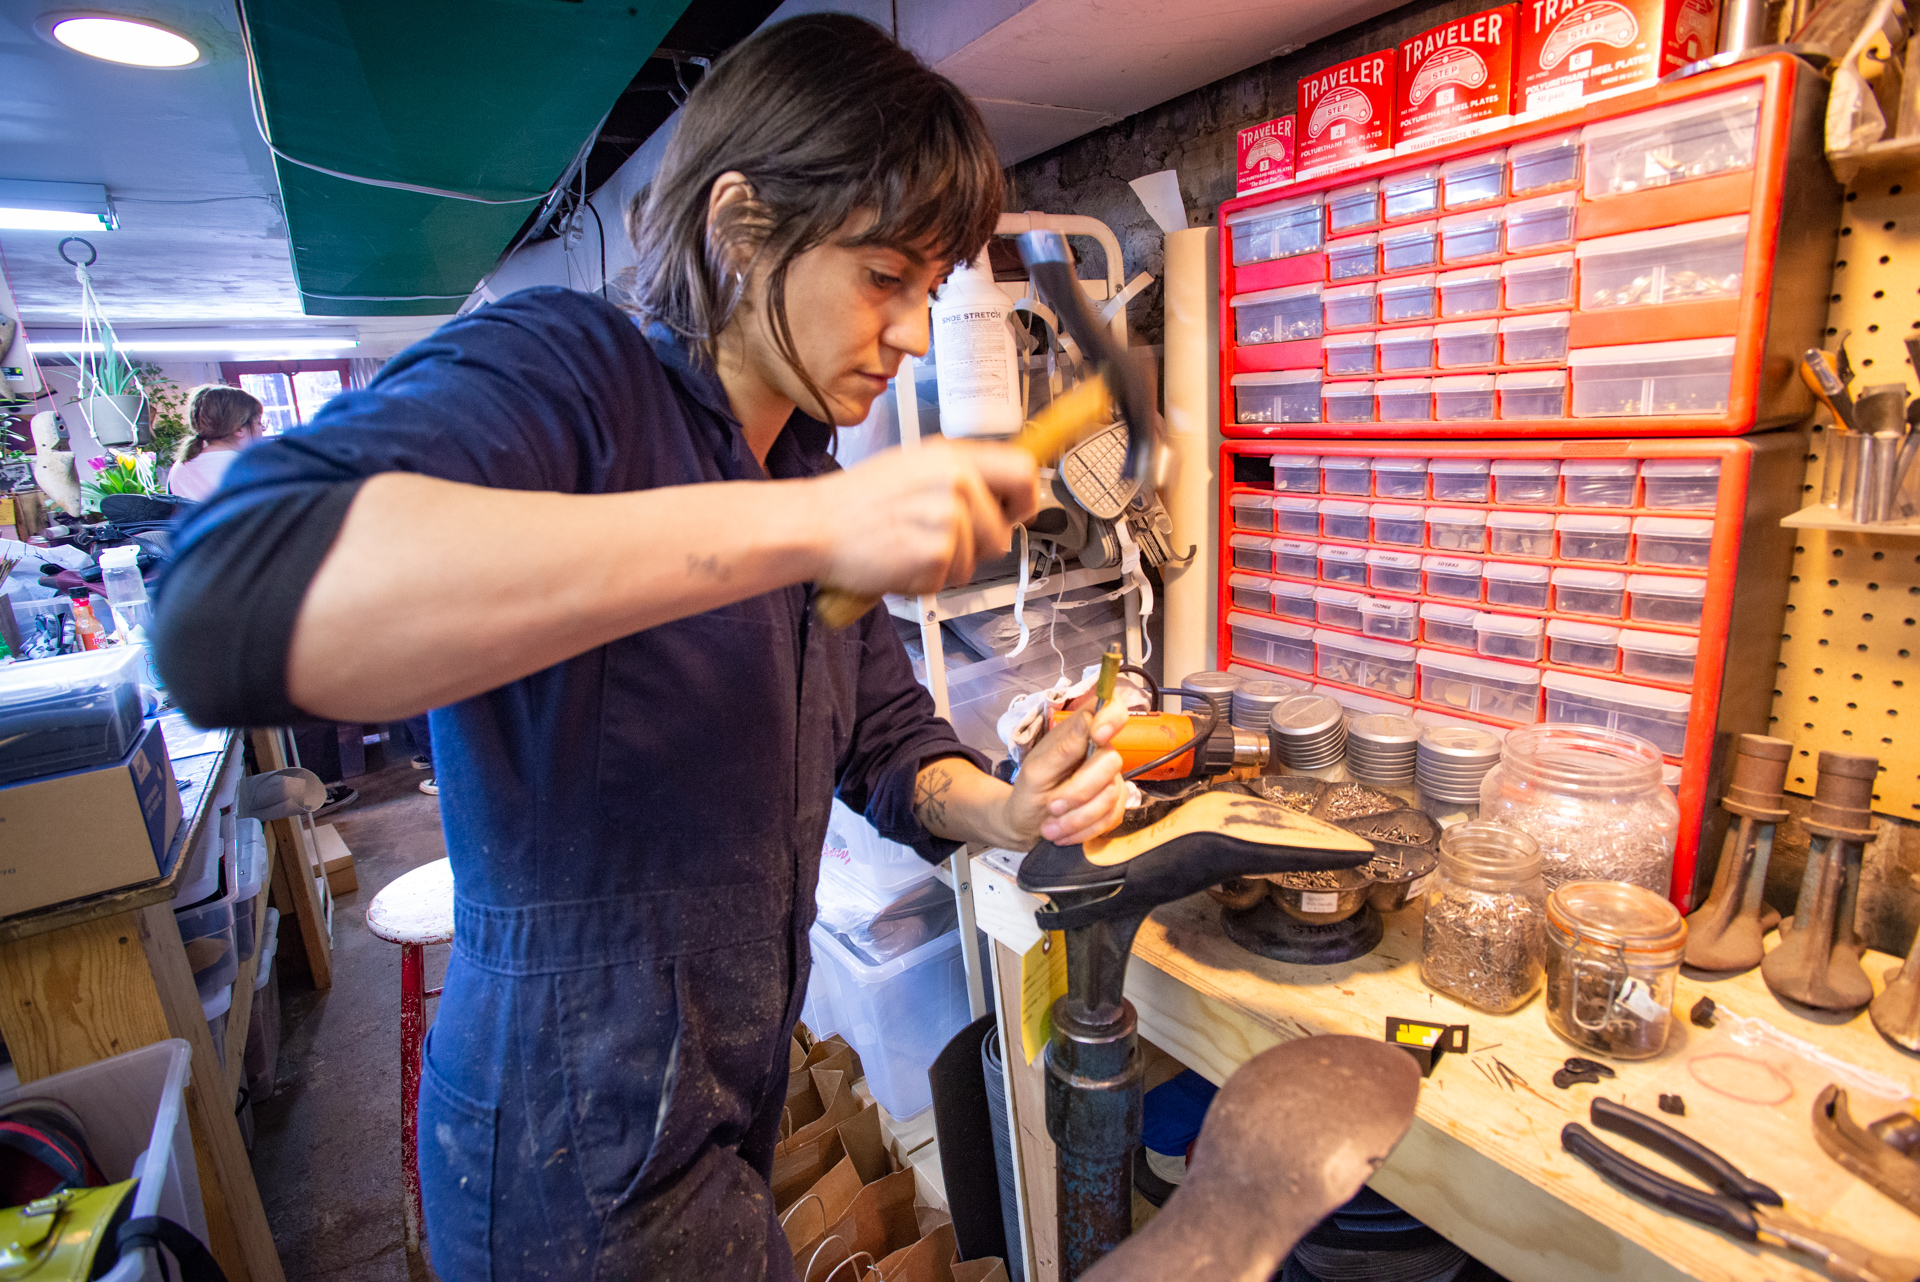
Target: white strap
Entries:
(1131, 575)
(1020, 595)
(1128, 292)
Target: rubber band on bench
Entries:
(1785, 1081)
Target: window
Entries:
(292, 391)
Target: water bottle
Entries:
(120, 576)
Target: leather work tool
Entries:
(1896, 1011)
(1886, 1153)
(1725, 932)
(1818, 960)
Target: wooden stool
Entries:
(413, 910)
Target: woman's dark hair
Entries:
(216, 412)
(827, 117)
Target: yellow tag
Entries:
(6, 511)
(1418, 1034)
(1043, 979)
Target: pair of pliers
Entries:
(1736, 1205)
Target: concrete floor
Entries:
(326, 1150)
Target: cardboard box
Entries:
(1266, 156)
(1346, 113)
(1456, 79)
(85, 831)
(1572, 51)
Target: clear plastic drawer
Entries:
(1537, 339)
(1543, 164)
(1282, 396)
(1344, 519)
(1538, 393)
(1457, 529)
(1410, 194)
(1521, 533)
(1600, 482)
(1685, 543)
(1461, 344)
(1276, 315)
(1692, 376)
(1403, 400)
(1470, 291)
(1403, 249)
(1348, 402)
(1586, 537)
(1405, 349)
(1544, 281)
(1352, 256)
(1397, 476)
(1279, 230)
(1672, 144)
(1506, 691)
(1665, 265)
(1511, 636)
(1460, 397)
(1583, 645)
(1601, 593)
(1362, 661)
(1454, 625)
(1473, 180)
(1355, 206)
(1273, 642)
(1659, 716)
(1541, 223)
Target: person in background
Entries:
(221, 421)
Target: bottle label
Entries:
(974, 359)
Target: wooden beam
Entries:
(1033, 1147)
(293, 860)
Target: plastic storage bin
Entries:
(1507, 691)
(1599, 482)
(1252, 512)
(1349, 306)
(1465, 343)
(1344, 519)
(1408, 298)
(1597, 592)
(1405, 349)
(1536, 339)
(1682, 542)
(1251, 551)
(1533, 394)
(1661, 598)
(1410, 194)
(1453, 576)
(1280, 396)
(1392, 571)
(1458, 397)
(1457, 529)
(1586, 537)
(1693, 376)
(1473, 180)
(1526, 480)
(1251, 592)
(1349, 257)
(1520, 533)
(1278, 231)
(1543, 281)
(1543, 163)
(1276, 315)
(1293, 600)
(1454, 625)
(1664, 265)
(1403, 400)
(1354, 206)
(69, 712)
(1348, 402)
(1671, 144)
(1658, 656)
(898, 1015)
(1405, 249)
(1512, 583)
(1466, 237)
(1398, 523)
(1348, 353)
(1362, 661)
(1541, 223)
(1294, 514)
(1346, 474)
(1511, 636)
(1395, 476)
(1471, 291)
(1342, 564)
(1685, 483)
(1659, 716)
(1583, 645)
(206, 929)
(1271, 642)
(1460, 480)
(1337, 608)
(1296, 473)
(1296, 557)
(1389, 620)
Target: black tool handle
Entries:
(1683, 1150)
(1711, 1209)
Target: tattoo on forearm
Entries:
(707, 567)
(930, 791)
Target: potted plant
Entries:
(166, 414)
(122, 472)
(109, 395)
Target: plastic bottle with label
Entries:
(976, 356)
(120, 577)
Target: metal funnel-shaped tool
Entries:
(1818, 960)
(280, 794)
(1896, 1011)
(1725, 932)
(1292, 1135)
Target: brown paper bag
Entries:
(935, 1258)
(814, 1113)
(798, 1166)
(880, 1221)
(825, 1203)
(833, 1052)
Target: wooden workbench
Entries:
(1482, 1163)
(92, 978)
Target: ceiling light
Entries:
(134, 343)
(131, 41)
(51, 220)
(44, 206)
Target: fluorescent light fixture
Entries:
(44, 206)
(134, 343)
(132, 41)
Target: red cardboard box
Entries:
(1572, 51)
(1266, 156)
(1346, 113)
(1456, 79)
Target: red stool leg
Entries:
(412, 999)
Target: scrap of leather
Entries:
(1242, 817)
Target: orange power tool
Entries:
(1171, 745)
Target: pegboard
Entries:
(1847, 672)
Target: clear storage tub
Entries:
(1540, 393)
(1357, 205)
(1521, 533)
(1349, 257)
(1348, 353)
(1544, 163)
(1276, 315)
(1512, 583)
(1391, 571)
(1344, 518)
(1664, 265)
(1342, 564)
(1337, 608)
(1403, 249)
(898, 1015)
(1403, 400)
(1506, 691)
(1349, 306)
(1682, 542)
(1296, 473)
(1348, 402)
(1409, 298)
(1252, 512)
(1465, 343)
(1398, 523)
(1601, 593)
(1511, 636)
(1457, 529)
(1526, 480)
(1658, 656)
(1684, 483)
(1389, 620)
(1471, 291)
(1362, 661)
(1296, 557)
(1473, 180)
(1461, 397)
(1251, 551)
(206, 930)
(1542, 281)
(1346, 474)
(1544, 222)
(1454, 625)
(1278, 230)
(1405, 349)
(69, 712)
(1466, 237)
(1396, 476)
(1672, 144)
(1272, 642)
(1692, 376)
(1453, 576)
(1658, 716)
(1600, 482)
(1536, 339)
(1586, 537)
(1251, 592)
(1583, 645)
(1460, 480)
(1295, 514)
(1293, 600)
(1412, 193)
(1279, 396)
(1661, 598)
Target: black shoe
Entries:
(420, 761)
(430, 786)
(339, 796)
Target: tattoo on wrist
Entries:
(707, 567)
(930, 791)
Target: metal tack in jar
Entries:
(1613, 951)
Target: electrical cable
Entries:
(1153, 687)
(603, 246)
(1201, 734)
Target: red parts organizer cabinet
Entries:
(1653, 263)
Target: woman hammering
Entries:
(638, 724)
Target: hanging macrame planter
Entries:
(110, 398)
